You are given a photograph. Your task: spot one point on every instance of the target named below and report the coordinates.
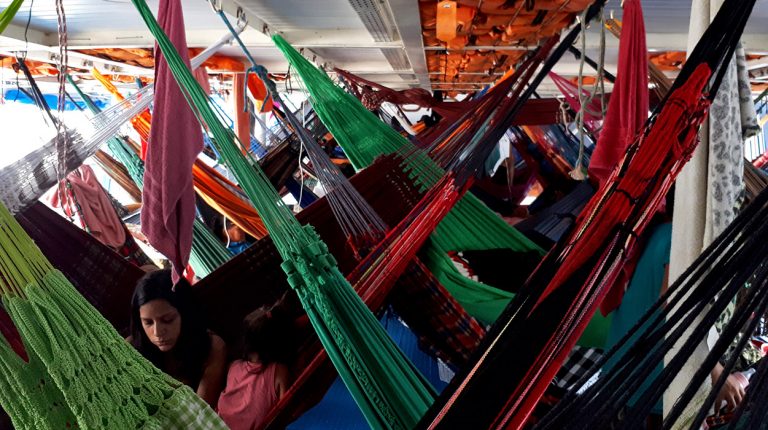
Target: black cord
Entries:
(26, 48)
(26, 29)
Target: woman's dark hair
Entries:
(268, 332)
(194, 343)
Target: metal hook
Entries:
(242, 20)
(216, 5)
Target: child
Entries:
(236, 239)
(257, 381)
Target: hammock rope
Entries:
(727, 265)
(364, 137)
(364, 228)
(25, 180)
(389, 258)
(71, 203)
(389, 391)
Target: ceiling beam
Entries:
(758, 63)
(336, 38)
(81, 61)
(13, 37)
(251, 38)
(408, 22)
(469, 73)
(144, 39)
(482, 48)
(674, 41)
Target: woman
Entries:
(167, 328)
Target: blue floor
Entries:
(337, 410)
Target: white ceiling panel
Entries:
(289, 15)
(104, 15)
(672, 16)
(350, 55)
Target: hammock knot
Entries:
(633, 200)
(263, 74)
(293, 276)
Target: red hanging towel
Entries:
(201, 76)
(628, 106)
(174, 142)
(627, 112)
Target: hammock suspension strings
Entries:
(24, 181)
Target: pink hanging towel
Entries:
(88, 201)
(174, 142)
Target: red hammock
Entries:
(681, 117)
(535, 111)
(589, 259)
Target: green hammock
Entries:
(207, 252)
(8, 13)
(469, 226)
(388, 389)
(81, 373)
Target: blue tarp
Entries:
(338, 410)
(14, 95)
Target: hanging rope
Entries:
(62, 62)
(586, 97)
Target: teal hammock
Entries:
(469, 226)
(388, 389)
(207, 252)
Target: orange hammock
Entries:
(214, 188)
(141, 122)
